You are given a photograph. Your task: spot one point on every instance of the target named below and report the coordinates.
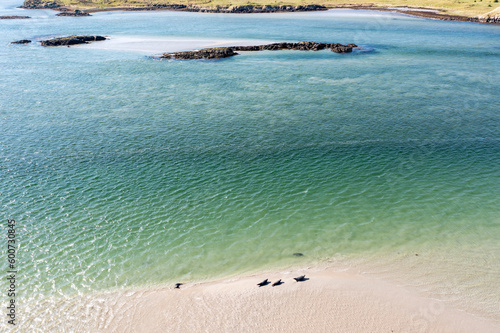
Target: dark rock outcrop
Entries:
(301, 46)
(77, 13)
(212, 53)
(22, 41)
(493, 20)
(339, 48)
(40, 4)
(492, 17)
(71, 40)
(15, 17)
(224, 52)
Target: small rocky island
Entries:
(225, 52)
(15, 17)
(22, 41)
(71, 40)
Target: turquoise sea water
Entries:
(125, 171)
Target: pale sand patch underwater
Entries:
(157, 45)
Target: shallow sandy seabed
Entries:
(157, 45)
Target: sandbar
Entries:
(329, 301)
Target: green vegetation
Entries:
(470, 8)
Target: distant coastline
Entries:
(431, 13)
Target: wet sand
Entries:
(329, 301)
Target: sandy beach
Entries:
(329, 301)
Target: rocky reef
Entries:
(224, 52)
(22, 41)
(211, 53)
(301, 46)
(15, 17)
(71, 40)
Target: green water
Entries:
(125, 171)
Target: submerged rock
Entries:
(224, 52)
(71, 40)
(22, 41)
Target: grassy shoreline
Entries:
(458, 8)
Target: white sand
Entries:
(329, 301)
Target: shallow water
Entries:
(125, 171)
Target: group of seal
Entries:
(263, 283)
(301, 278)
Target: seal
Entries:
(277, 283)
(263, 283)
(300, 278)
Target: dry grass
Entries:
(469, 8)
